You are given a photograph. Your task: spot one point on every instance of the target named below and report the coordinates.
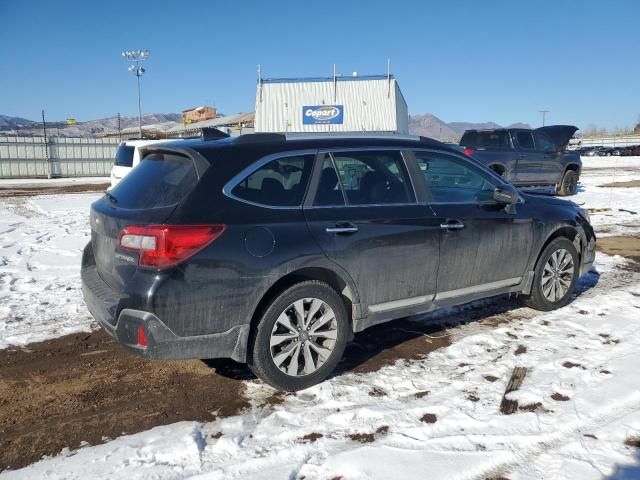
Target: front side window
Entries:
(452, 181)
(525, 140)
(280, 183)
(373, 177)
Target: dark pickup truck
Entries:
(528, 157)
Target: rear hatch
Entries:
(559, 135)
(147, 195)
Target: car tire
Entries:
(270, 353)
(569, 184)
(552, 284)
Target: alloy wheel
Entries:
(303, 337)
(557, 275)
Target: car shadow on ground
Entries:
(628, 472)
(413, 338)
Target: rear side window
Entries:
(543, 142)
(488, 139)
(525, 140)
(279, 183)
(124, 156)
(160, 180)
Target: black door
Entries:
(530, 166)
(482, 246)
(367, 220)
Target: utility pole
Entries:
(544, 116)
(46, 145)
(119, 129)
(136, 56)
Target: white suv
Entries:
(128, 156)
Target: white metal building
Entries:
(371, 103)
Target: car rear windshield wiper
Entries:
(111, 197)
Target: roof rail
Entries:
(260, 138)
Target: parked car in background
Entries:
(128, 155)
(275, 250)
(598, 151)
(528, 157)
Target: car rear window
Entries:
(488, 139)
(124, 156)
(160, 180)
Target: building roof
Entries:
(202, 107)
(236, 119)
(337, 78)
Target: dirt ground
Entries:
(29, 191)
(58, 393)
(629, 184)
(626, 246)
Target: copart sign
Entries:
(322, 114)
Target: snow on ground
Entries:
(599, 171)
(433, 418)
(51, 182)
(41, 242)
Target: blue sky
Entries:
(496, 61)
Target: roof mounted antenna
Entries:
(388, 77)
(260, 82)
(335, 84)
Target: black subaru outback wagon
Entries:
(275, 250)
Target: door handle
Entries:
(342, 228)
(452, 225)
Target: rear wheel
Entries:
(300, 338)
(569, 184)
(555, 276)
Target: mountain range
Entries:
(427, 125)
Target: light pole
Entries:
(135, 57)
(544, 115)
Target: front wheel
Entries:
(569, 184)
(300, 338)
(555, 276)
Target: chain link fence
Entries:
(33, 157)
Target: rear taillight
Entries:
(164, 245)
(142, 336)
(468, 151)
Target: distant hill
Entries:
(10, 123)
(162, 121)
(428, 125)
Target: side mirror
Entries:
(505, 195)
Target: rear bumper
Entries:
(162, 343)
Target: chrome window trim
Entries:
(369, 205)
(245, 172)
